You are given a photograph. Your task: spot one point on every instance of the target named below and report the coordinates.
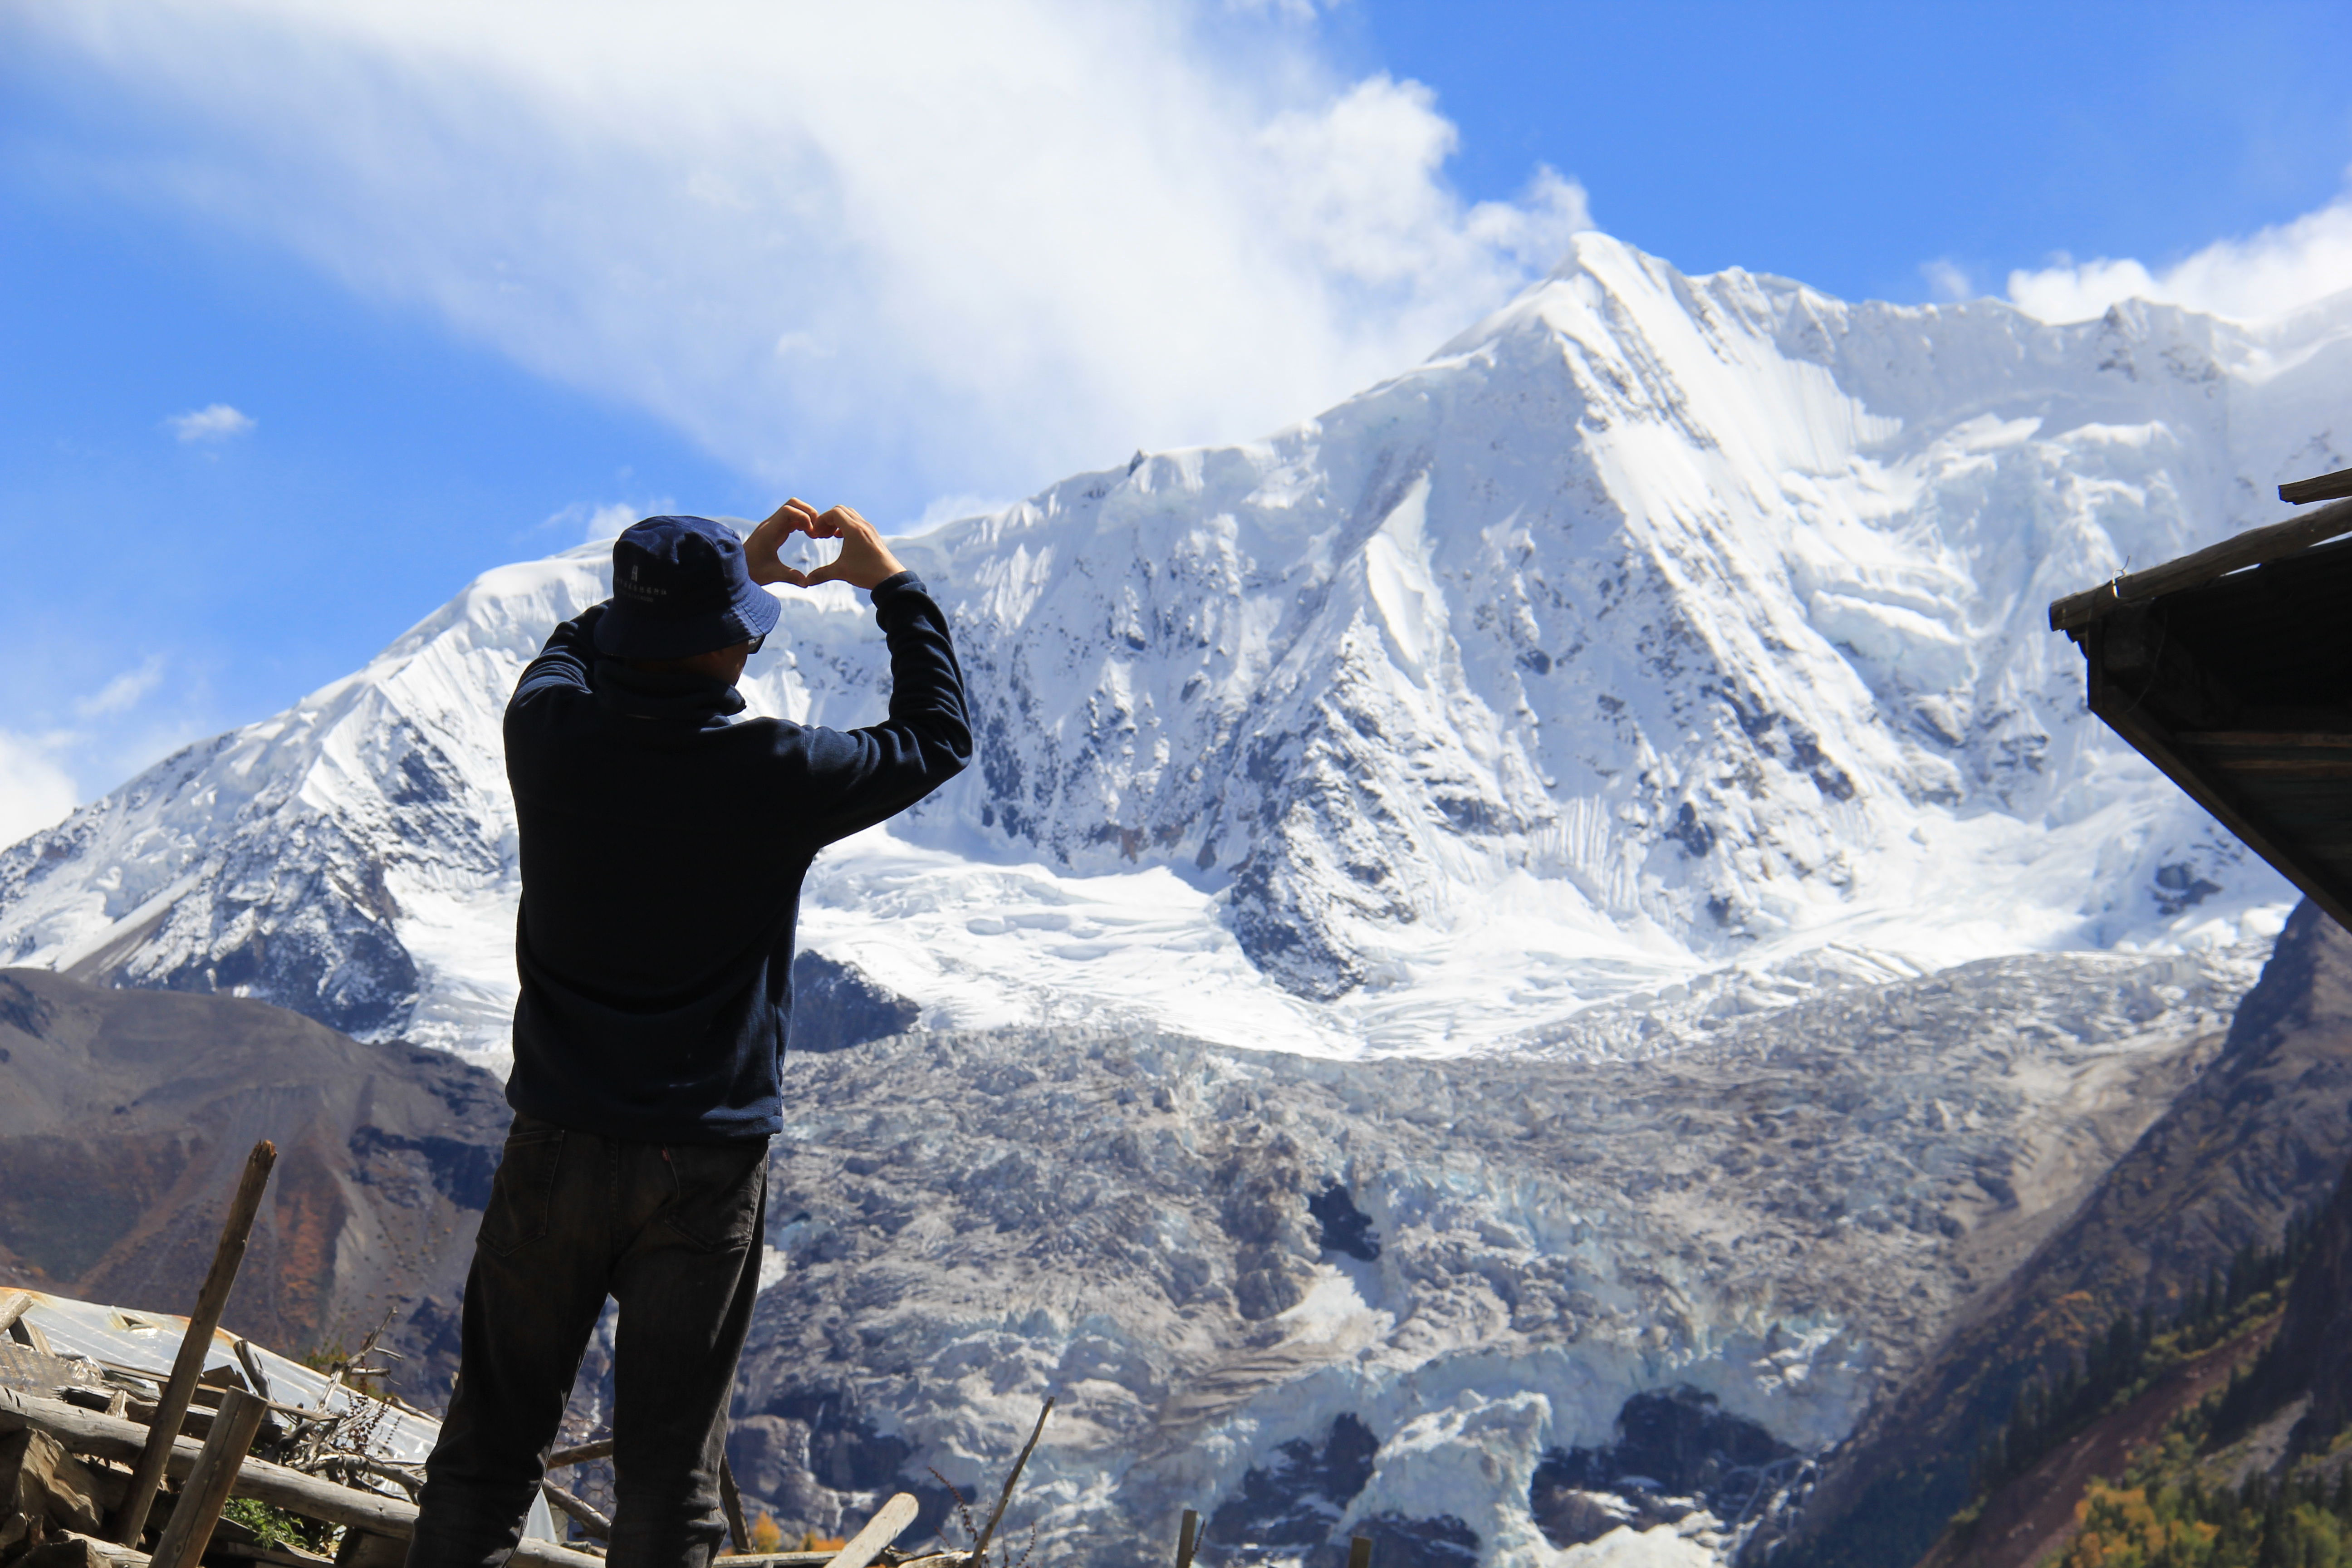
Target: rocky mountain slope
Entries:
(125, 1117)
(2260, 1136)
(1657, 630)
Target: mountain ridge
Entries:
(1658, 627)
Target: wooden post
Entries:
(190, 1529)
(1188, 1538)
(131, 1522)
(987, 1531)
(1359, 1552)
(732, 1500)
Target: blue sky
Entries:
(478, 282)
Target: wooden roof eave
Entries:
(2252, 548)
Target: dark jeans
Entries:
(672, 1234)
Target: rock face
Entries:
(1421, 1301)
(125, 1117)
(1657, 626)
(2260, 1136)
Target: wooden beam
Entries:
(88, 1433)
(2250, 548)
(890, 1521)
(2327, 487)
(190, 1529)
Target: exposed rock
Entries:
(836, 1006)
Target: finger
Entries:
(795, 576)
(828, 572)
(803, 516)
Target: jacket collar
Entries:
(658, 695)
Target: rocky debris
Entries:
(1311, 1298)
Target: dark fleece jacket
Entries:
(663, 848)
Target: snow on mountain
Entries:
(1658, 636)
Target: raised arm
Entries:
(859, 777)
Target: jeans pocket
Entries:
(524, 1189)
(716, 1193)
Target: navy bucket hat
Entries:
(680, 588)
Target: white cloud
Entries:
(981, 244)
(35, 792)
(2266, 274)
(214, 422)
(124, 690)
(597, 522)
(1948, 279)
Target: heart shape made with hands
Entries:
(865, 560)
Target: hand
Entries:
(865, 560)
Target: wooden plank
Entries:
(579, 1454)
(1359, 1552)
(2286, 767)
(2250, 548)
(110, 1437)
(131, 1519)
(890, 1521)
(1188, 1537)
(190, 1529)
(2222, 740)
(2327, 487)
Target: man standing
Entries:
(662, 849)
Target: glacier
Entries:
(1661, 644)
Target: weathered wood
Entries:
(2250, 548)
(987, 1532)
(2287, 768)
(579, 1454)
(13, 1306)
(40, 1480)
(189, 1530)
(1359, 1552)
(2223, 740)
(253, 1373)
(731, 1502)
(107, 1438)
(890, 1521)
(1188, 1538)
(2327, 487)
(591, 1520)
(131, 1520)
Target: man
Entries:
(662, 850)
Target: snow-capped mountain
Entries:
(1657, 629)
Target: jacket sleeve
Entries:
(859, 777)
(561, 665)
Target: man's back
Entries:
(663, 848)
